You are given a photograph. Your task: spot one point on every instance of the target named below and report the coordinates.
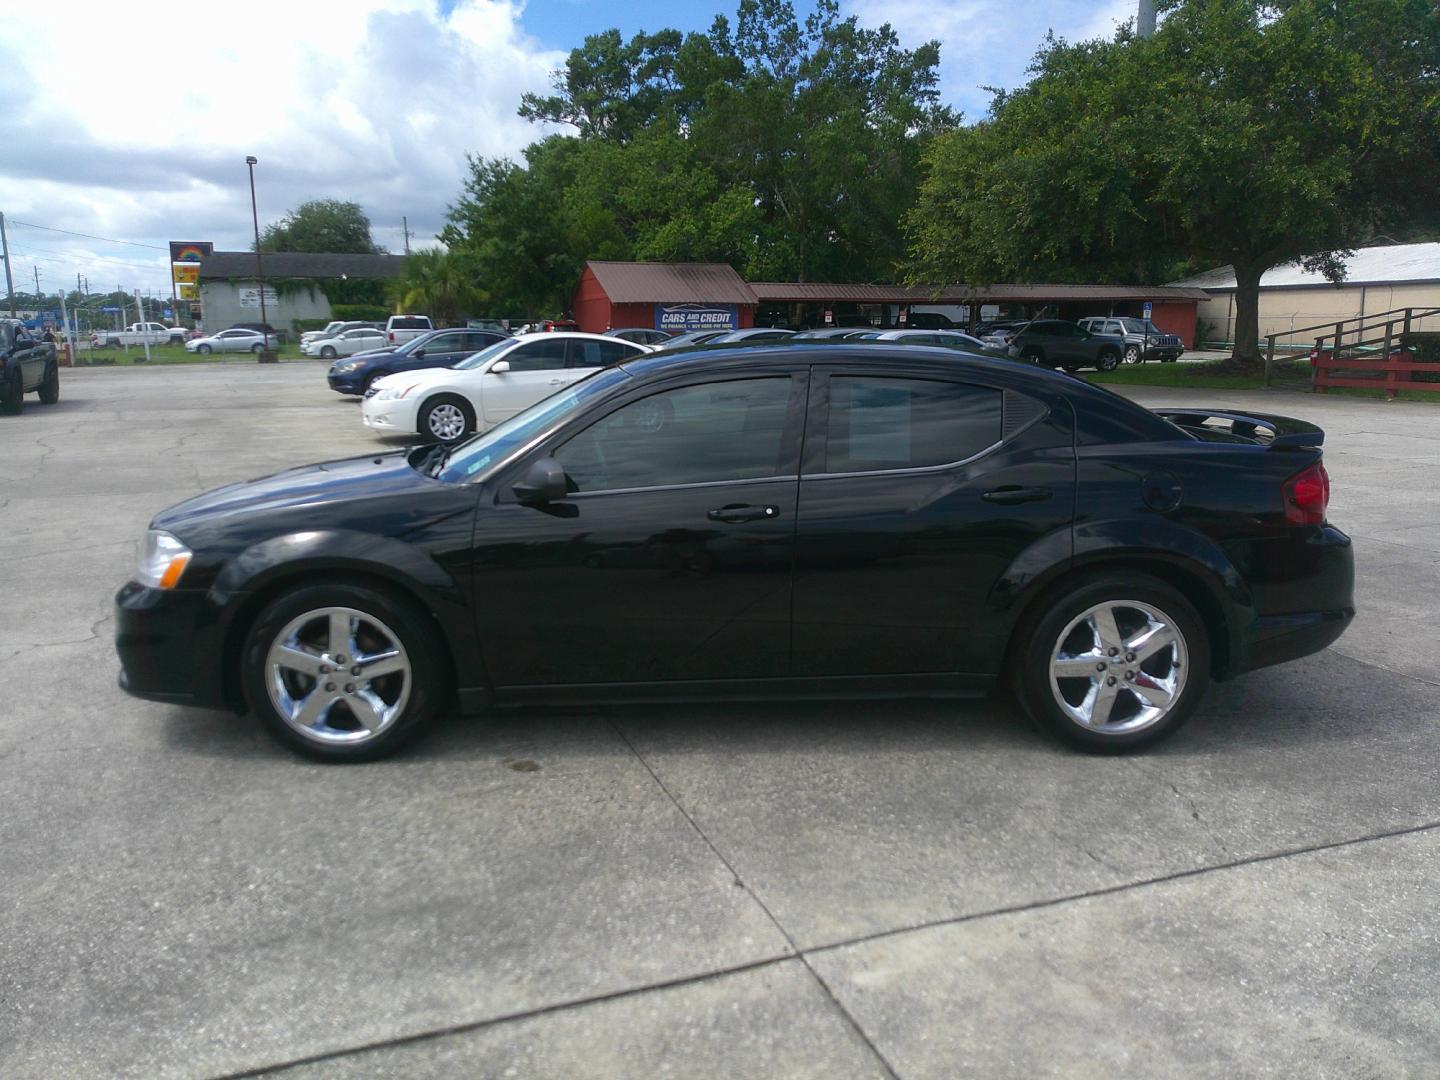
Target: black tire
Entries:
(50, 388)
(1133, 355)
(417, 635)
(1033, 355)
(204, 350)
(327, 353)
(1055, 627)
(257, 348)
(12, 393)
(370, 381)
(430, 425)
(1169, 359)
(1070, 367)
(1107, 361)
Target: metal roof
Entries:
(1384, 265)
(240, 265)
(671, 283)
(814, 291)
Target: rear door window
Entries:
(539, 355)
(876, 424)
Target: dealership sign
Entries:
(683, 318)
(250, 298)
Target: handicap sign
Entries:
(1147, 308)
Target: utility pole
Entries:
(9, 284)
(266, 356)
(405, 224)
(37, 287)
(1145, 19)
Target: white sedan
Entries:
(346, 343)
(450, 404)
(236, 340)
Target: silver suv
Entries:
(1143, 339)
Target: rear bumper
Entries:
(1306, 593)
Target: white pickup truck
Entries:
(140, 333)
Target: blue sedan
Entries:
(439, 348)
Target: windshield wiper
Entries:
(434, 460)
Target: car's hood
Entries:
(368, 354)
(309, 485)
(418, 377)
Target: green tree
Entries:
(787, 149)
(443, 284)
(321, 225)
(1243, 132)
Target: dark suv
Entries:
(1068, 345)
(1143, 339)
(27, 365)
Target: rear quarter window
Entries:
(410, 324)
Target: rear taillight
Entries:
(1307, 496)
(392, 337)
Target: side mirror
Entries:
(418, 353)
(500, 367)
(544, 481)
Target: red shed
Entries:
(662, 296)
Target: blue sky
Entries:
(983, 42)
(380, 106)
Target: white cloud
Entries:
(989, 42)
(372, 100)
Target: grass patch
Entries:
(170, 354)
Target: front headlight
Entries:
(163, 560)
(345, 366)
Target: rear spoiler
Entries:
(1266, 429)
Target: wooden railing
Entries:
(1345, 347)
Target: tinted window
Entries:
(879, 424)
(585, 353)
(480, 341)
(539, 355)
(444, 343)
(401, 323)
(693, 435)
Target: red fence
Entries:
(1389, 373)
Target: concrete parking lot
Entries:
(831, 890)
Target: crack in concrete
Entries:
(32, 647)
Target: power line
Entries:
(88, 236)
(65, 259)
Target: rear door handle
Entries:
(1012, 496)
(739, 513)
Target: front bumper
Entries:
(169, 642)
(394, 416)
(348, 383)
(1164, 352)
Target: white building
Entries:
(1378, 279)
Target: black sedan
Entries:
(761, 521)
(438, 348)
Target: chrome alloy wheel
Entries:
(1119, 667)
(446, 421)
(338, 676)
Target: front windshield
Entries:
(484, 356)
(469, 460)
(1141, 326)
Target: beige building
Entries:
(1378, 279)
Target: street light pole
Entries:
(266, 356)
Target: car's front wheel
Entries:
(1114, 664)
(1132, 354)
(1107, 361)
(446, 419)
(343, 672)
(50, 388)
(1033, 356)
(327, 353)
(204, 350)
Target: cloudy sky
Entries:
(144, 139)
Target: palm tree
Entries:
(440, 284)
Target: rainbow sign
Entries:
(190, 251)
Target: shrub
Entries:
(360, 312)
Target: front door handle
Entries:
(1013, 496)
(739, 513)
(557, 382)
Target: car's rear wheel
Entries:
(204, 350)
(446, 419)
(1107, 361)
(343, 672)
(1133, 354)
(50, 388)
(257, 348)
(12, 392)
(327, 353)
(1114, 664)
